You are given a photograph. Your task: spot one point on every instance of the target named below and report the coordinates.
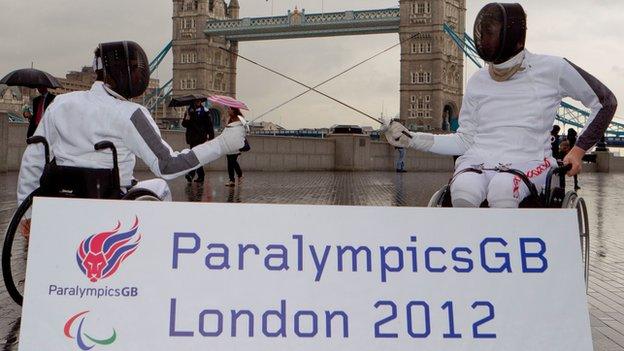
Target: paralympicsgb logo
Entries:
(100, 255)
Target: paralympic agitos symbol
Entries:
(100, 255)
(81, 336)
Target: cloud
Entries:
(60, 36)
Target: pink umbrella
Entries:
(228, 101)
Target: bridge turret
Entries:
(199, 65)
(431, 65)
(233, 9)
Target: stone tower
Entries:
(431, 64)
(200, 66)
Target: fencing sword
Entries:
(309, 87)
(334, 77)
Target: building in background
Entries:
(13, 99)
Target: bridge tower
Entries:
(431, 64)
(200, 66)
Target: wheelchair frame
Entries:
(114, 192)
(552, 196)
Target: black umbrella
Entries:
(186, 100)
(31, 78)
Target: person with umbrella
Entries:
(40, 105)
(36, 79)
(199, 129)
(234, 116)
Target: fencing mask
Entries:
(125, 64)
(500, 31)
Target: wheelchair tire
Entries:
(437, 199)
(139, 194)
(572, 200)
(13, 274)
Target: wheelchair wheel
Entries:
(572, 200)
(437, 200)
(140, 194)
(14, 252)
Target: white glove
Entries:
(385, 124)
(232, 138)
(396, 137)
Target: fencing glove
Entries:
(232, 138)
(396, 137)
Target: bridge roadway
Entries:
(301, 25)
(606, 288)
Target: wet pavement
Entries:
(601, 191)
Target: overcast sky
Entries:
(59, 36)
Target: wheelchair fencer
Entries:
(553, 195)
(64, 182)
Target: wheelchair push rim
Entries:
(14, 252)
(573, 201)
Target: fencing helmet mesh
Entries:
(500, 31)
(125, 64)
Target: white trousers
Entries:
(157, 186)
(502, 190)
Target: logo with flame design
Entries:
(100, 255)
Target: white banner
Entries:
(106, 275)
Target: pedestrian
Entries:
(571, 138)
(554, 142)
(199, 129)
(232, 157)
(400, 162)
(40, 105)
(506, 114)
(26, 113)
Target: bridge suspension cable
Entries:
(158, 95)
(332, 78)
(304, 85)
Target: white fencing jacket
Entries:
(76, 121)
(510, 121)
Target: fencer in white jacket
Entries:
(79, 120)
(506, 116)
(76, 121)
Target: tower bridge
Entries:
(431, 65)
(433, 45)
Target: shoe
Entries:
(198, 180)
(240, 180)
(229, 184)
(189, 178)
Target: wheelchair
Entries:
(553, 195)
(64, 182)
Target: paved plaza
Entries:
(606, 288)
